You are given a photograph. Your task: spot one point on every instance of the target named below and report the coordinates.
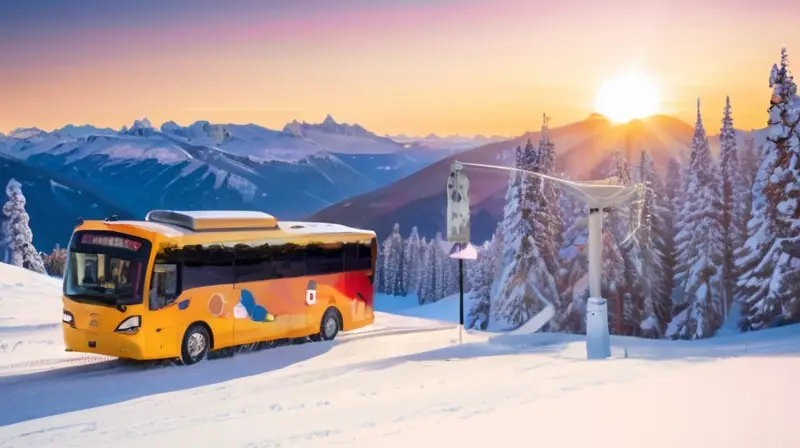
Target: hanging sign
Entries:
(457, 205)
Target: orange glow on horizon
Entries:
(478, 70)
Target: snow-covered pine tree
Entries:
(673, 186)
(526, 282)
(497, 249)
(613, 279)
(379, 281)
(421, 268)
(17, 233)
(653, 227)
(440, 268)
(479, 314)
(700, 244)
(572, 280)
(412, 261)
(673, 193)
(749, 160)
(389, 268)
(550, 210)
(768, 262)
(426, 292)
(735, 190)
(393, 263)
(789, 210)
(620, 223)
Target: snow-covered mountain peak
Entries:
(329, 126)
(80, 131)
(25, 133)
(329, 121)
(141, 128)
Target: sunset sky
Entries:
(412, 66)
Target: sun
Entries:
(627, 97)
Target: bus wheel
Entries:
(195, 345)
(329, 326)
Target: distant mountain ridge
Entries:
(199, 166)
(582, 149)
(459, 142)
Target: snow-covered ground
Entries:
(393, 386)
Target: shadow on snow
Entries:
(54, 392)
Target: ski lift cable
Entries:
(600, 193)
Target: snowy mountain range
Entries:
(452, 142)
(582, 149)
(291, 173)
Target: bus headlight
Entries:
(130, 325)
(68, 318)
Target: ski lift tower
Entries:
(598, 195)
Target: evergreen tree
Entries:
(672, 207)
(526, 282)
(573, 278)
(379, 280)
(734, 197)
(700, 244)
(749, 160)
(768, 286)
(613, 285)
(749, 165)
(17, 235)
(393, 263)
(621, 223)
(789, 210)
(439, 268)
(657, 305)
(549, 210)
(483, 275)
(412, 261)
(426, 291)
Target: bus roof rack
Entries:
(214, 220)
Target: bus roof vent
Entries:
(214, 220)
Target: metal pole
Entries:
(598, 344)
(460, 299)
(595, 252)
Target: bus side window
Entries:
(252, 263)
(324, 260)
(351, 257)
(204, 266)
(364, 257)
(288, 261)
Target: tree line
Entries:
(715, 241)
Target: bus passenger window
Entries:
(163, 285)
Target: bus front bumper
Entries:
(118, 345)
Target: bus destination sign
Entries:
(111, 241)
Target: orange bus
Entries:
(183, 283)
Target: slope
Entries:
(420, 389)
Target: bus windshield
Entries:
(105, 269)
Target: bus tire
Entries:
(329, 326)
(195, 345)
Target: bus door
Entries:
(160, 321)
